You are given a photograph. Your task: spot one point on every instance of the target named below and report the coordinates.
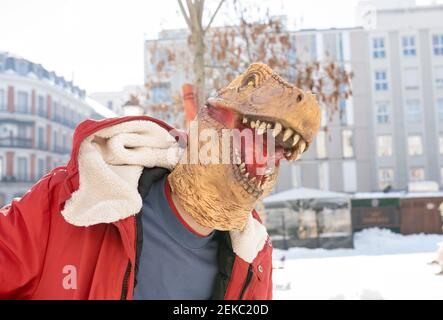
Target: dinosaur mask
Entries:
(282, 121)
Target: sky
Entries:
(99, 43)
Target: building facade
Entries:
(339, 158)
(38, 113)
(406, 69)
(390, 132)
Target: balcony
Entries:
(23, 110)
(18, 179)
(42, 145)
(60, 150)
(15, 142)
(42, 114)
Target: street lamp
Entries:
(132, 107)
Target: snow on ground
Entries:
(383, 265)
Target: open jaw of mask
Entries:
(272, 140)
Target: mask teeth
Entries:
(295, 144)
(251, 185)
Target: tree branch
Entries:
(185, 15)
(213, 16)
(200, 8)
(193, 8)
(242, 29)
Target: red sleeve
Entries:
(24, 229)
(268, 260)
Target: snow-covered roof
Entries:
(15, 64)
(378, 195)
(401, 195)
(303, 194)
(424, 195)
(100, 109)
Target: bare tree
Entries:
(266, 40)
(221, 53)
(193, 15)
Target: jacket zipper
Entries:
(247, 282)
(125, 281)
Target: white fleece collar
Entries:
(110, 163)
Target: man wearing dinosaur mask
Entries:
(132, 217)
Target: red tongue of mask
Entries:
(254, 155)
(257, 157)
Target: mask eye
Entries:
(251, 81)
(299, 97)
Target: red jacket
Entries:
(43, 256)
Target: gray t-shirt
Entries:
(175, 262)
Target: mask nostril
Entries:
(299, 97)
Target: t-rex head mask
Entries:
(220, 194)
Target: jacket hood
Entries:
(107, 159)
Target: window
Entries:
(313, 47)
(65, 142)
(161, 92)
(417, 174)
(40, 168)
(349, 176)
(441, 175)
(343, 112)
(437, 43)
(22, 169)
(54, 140)
(71, 117)
(439, 77)
(321, 144)
(22, 102)
(63, 113)
(440, 109)
(409, 49)
(348, 144)
(381, 81)
(41, 138)
(382, 112)
(2, 100)
(295, 176)
(384, 146)
(385, 177)
(22, 68)
(411, 78)
(21, 132)
(323, 176)
(440, 143)
(41, 106)
(54, 111)
(415, 145)
(413, 111)
(292, 52)
(74, 118)
(110, 105)
(378, 48)
(2, 168)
